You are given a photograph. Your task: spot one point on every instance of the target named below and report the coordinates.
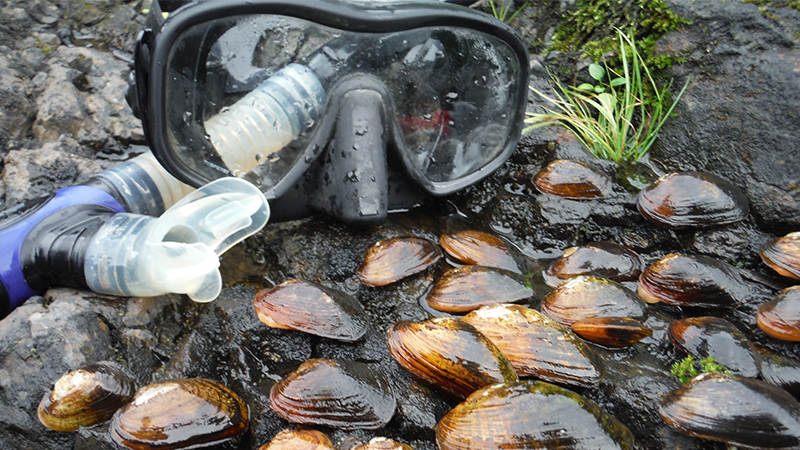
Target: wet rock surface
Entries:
(63, 69)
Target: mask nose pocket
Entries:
(352, 184)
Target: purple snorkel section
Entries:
(13, 237)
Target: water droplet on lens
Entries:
(187, 116)
(352, 176)
(451, 95)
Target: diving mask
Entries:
(348, 108)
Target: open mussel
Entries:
(536, 345)
(530, 414)
(585, 297)
(740, 411)
(716, 337)
(449, 354)
(393, 259)
(86, 396)
(183, 413)
(687, 280)
(602, 259)
(780, 318)
(465, 288)
(572, 179)
(613, 332)
(783, 255)
(342, 394)
(299, 440)
(478, 248)
(311, 308)
(692, 199)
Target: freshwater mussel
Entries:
(780, 317)
(536, 345)
(573, 180)
(474, 247)
(740, 411)
(585, 297)
(312, 308)
(692, 280)
(692, 199)
(602, 259)
(530, 414)
(465, 288)
(382, 443)
(183, 413)
(395, 258)
(707, 336)
(449, 354)
(299, 440)
(612, 332)
(783, 255)
(340, 394)
(86, 396)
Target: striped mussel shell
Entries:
(783, 255)
(312, 308)
(474, 247)
(449, 354)
(341, 394)
(536, 345)
(573, 180)
(780, 317)
(299, 440)
(707, 336)
(393, 259)
(611, 332)
(465, 288)
(530, 414)
(586, 297)
(603, 259)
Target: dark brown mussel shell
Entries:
(465, 288)
(614, 332)
(86, 396)
(686, 280)
(299, 440)
(348, 395)
(184, 413)
(478, 248)
(530, 414)
(692, 199)
(585, 297)
(449, 354)
(393, 259)
(740, 411)
(783, 255)
(780, 318)
(382, 443)
(572, 179)
(537, 345)
(781, 371)
(602, 259)
(716, 337)
(311, 308)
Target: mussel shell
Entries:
(586, 297)
(449, 354)
(781, 371)
(692, 199)
(687, 280)
(311, 308)
(342, 394)
(536, 345)
(602, 259)
(478, 248)
(614, 332)
(733, 409)
(382, 443)
(182, 413)
(299, 440)
(716, 337)
(465, 288)
(530, 414)
(86, 396)
(393, 259)
(780, 318)
(783, 255)
(572, 179)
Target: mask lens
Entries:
(245, 95)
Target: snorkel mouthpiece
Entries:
(138, 255)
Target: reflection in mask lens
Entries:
(251, 98)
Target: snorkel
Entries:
(373, 107)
